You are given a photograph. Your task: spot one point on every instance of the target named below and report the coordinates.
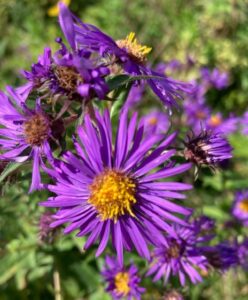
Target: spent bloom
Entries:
(25, 134)
(69, 72)
(127, 52)
(240, 207)
(179, 256)
(242, 249)
(123, 282)
(116, 191)
(46, 233)
(207, 148)
(222, 256)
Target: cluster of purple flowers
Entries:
(116, 183)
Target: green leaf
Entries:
(10, 168)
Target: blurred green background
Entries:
(215, 34)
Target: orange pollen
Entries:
(136, 51)
(36, 130)
(121, 283)
(153, 121)
(215, 120)
(243, 205)
(68, 78)
(112, 194)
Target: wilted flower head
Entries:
(222, 256)
(25, 134)
(46, 233)
(240, 207)
(207, 148)
(127, 52)
(116, 190)
(69, 72)
(122, 282)
(242, 249)
(179, 256)
(173, 295)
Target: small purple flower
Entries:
(222, 256)
(117, 191)
(240, 207)
(122, 282)
(215, 78)
(216, 123)
(25, 134)
(155, 122)
(207, 149)
(128, 53)
(179, 256)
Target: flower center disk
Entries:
(243, 205)
(174, 250)
(121, 283)
(36, 130)
(68, 78)
(112, 193)
(135, 50)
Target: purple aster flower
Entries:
(128, 53)
(215, 78)
(243, 254)
(155, 122)
(25, 134)
(222, 256)
(69, 72)
(244, 123)
(116, 190)
(240, 207)
(216, 123)
(207, 149)
(135, 95)
(122, 282)
(179, 256)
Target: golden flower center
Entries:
(36, 130)
(174, 250)
(134, 49)
(112, 194)
(121, 283)
(243, 205)
(68, 78)
(215, 120)
(153, 121)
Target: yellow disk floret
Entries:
(135, 50)
(112, 193)
(121, 283)
(215, 120)
(243, 205)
